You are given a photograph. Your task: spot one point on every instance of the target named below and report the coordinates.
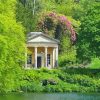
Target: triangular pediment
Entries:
(43, 39)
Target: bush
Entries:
(68, 80)
(95, 64)
(32, 87)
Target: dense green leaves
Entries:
(70, 80)
(11, 46)
(89, 37)
(16, 14)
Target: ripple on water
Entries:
(50, 96)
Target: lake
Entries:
(50, 96)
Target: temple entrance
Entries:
(39, 61)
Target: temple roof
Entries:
(39, 37)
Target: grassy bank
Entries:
(57, 80)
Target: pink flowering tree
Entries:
(61, 28)
(57, 25)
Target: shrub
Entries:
(95, 64)
(68, 80)
(43, 69)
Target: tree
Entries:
(24, 13)
(11, 46)
(79, 8)
(89, 37)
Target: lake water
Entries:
(50, 96)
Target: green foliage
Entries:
(32, 86)
(89, 37)
(70, 80)
(11, 53)
(24, 14)
(86, 12)
(95, 63)
(66, 81)
(80, 8)
(68, 52)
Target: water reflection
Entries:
(50, 96)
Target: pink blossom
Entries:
(52, 14)
(65, 21)
(73, 35)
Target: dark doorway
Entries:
(38, 62)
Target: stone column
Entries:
(56, 64)
(53, 57)
(46, 56)
(35, 57)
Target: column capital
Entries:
(55, 47)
